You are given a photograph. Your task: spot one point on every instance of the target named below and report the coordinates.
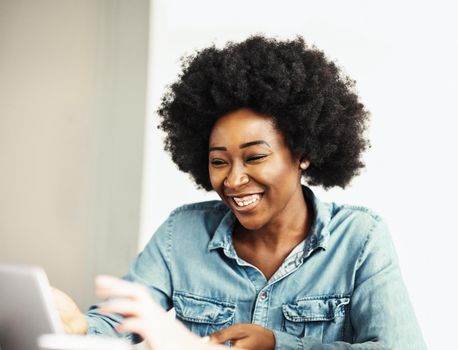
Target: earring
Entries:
(304, 165)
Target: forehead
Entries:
(242, 126)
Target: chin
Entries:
(251, 225)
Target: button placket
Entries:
(261, 308)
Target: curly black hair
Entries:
(311, 102)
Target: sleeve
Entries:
(150, 268)
(381, 314)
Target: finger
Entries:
(126, 307)
(107, 286)
(132, 325)
(231, 333)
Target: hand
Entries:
(145, 318)
(73, 319)
(247, 336)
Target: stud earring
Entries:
(304, 165)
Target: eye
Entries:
(217, 162)
(256, 157)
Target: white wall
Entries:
(403, 56)
(72, 113)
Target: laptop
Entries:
(26, 307)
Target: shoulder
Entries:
(356, 222)
(336, 219)
(201, 207)
(359, 232)
(209, 210)
(190, 225)
(354, 213)
(197, 218)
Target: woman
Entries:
(270, 265)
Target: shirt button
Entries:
(263, 295)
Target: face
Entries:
(252, 169)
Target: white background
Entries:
(403, 55)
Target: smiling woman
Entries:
(257, 176)
(270, 266)
(254, 172)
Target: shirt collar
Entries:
(319, 232)
(222, 238)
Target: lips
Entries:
(245, 202)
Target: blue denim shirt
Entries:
(341, 288)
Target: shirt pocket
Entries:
(202, 315)
(320, 317)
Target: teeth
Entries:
(244, 201)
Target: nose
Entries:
(237, 177)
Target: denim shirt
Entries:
(341, 288)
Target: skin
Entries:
(72, 318)
(248, 155)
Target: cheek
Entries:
(278, 175)
(213, 181)
(216, 179)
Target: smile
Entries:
(246, 202)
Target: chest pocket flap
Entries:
(199, 309)
(322, 308)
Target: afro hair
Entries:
(310, 101)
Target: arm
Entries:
(150, 269)
(380, 312)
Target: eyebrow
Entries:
(243, 145)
